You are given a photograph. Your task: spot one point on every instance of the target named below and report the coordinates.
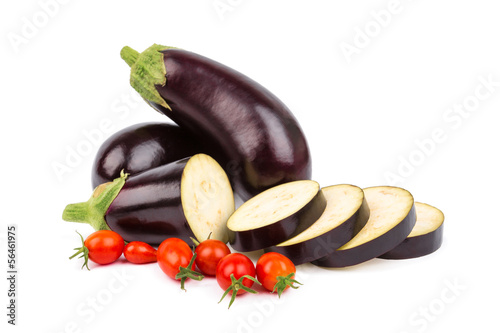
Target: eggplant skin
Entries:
(418, 246)
(250, 132)
(373, 248)
(141, 147)
(267, 236)
(149, 207)
(323, 245)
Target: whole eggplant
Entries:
(141, 147)
(167, 201)
(250, 132)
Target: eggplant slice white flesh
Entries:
(392, 218)
(345, 214)
(275, 215)
(207, 198)
(425, 238)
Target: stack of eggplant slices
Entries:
(233, 137)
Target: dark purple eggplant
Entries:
(392, 217)
(346, 213)
(142, 147)
(188, 198)
(254, 136)
(275, 215)
(425, 238)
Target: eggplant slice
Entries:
(275, 215)
(392, 217)
(345, 214)
(186, 198)
(425, 238)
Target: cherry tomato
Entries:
(176, 259)
(235, 274)
(139, 252)
(276, 272)
(208, 255)
(102, 247)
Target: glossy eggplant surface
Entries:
(141, 147)
(250, 132)
(189, 198)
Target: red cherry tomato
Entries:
(102, 247)
(235, 274)
(208, 255)
(139, 252)
(176, 259)
(276, 272)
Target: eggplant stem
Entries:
(93, 211)
(147, 71)
(129, 55)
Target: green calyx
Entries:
(284, 282)
(94, 210)
(188, 273)
(84, 251)
(147, 70)
(237, 285)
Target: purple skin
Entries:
(418, 246)
(326, 243)
(141, 147)
(264, 237)
(149, 209)
(373, 248)
(258, 141)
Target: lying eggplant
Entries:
(392, 217)
(275, 215)
(142, 147)
(345, 214)
(425, 238)
(187, 198)
(254, 135)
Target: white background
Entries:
(363, 115)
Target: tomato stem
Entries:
(284, 282)
(237, 285)
(188, 273)
(84, 251)
(195, 242)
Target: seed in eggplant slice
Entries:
(345, 214)
(392, 217)
(275, 215)
(425, 238)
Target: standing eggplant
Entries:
(187, 198)
(141, 147)
(254, 136)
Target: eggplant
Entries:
(346, 213)
(141, 147)
(425, 238)
(188, 198)
(275, 215)
(254, 136)
(392, 217)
